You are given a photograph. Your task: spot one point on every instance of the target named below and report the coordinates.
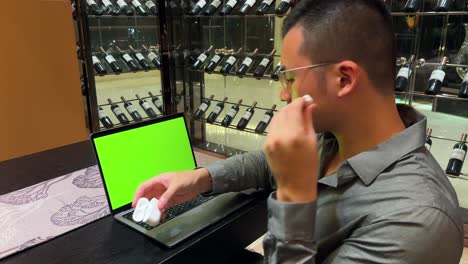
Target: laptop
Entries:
(128, 156)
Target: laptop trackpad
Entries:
(200, 217)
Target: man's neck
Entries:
(367, 131)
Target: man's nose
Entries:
(285, 95)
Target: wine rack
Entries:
(181, 38)
(233, 74)
(121, 31)
(134, 101)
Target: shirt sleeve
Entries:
(240, 172)
(290, 236)
(411, 235)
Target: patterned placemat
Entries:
(40, 212)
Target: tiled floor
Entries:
(464, 259)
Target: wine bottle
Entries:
(94, 8)
(178, 55)
(178, 97)
(263, 8)
(184, 5)
(262, 125)
(437, 78)
(123, 119)
(139, 8)
(201, 59)
(214, 62)
(73, 6)
(197, 8)
(151, 7)
(104, 118)
(401, 81)
(227, 9)
(214, 5)
(146, 107)
(141, 59)
(412, 6)
(206, 102)
(457, 158)
(428, 143)
(216, 111)
(246, 64)
(247, 6)
(128, 59)
(276, 72)
(464, 87)
(127, 10)
(173, 5)
(111, 61)
(131, 110)
(156, 102)
(192, 55)
(227, 120)
(98, 67)
(283, 7)
(230, 62)
(110, 8)
(443, 5)
(153, 58)
(244, 121)
(264, 65)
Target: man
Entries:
(366, 190)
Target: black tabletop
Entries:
(107, 241)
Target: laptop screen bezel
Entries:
(130, 127)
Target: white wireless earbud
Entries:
(309, 100)
(153, 214)
(147, 211)
(140, 210)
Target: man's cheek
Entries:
(294, 94)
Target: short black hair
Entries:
(357, 30)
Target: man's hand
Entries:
(174, 188)
(291, 151)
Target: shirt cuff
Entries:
(218, 178)
(291, 221)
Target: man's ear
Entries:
(348, 72)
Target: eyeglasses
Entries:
(287, 79)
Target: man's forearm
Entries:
(204, 180)
(240, 172)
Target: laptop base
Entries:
(183, 226)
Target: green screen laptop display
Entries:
(130, 157)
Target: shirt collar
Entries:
(369, 164)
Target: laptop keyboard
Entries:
(173, 211)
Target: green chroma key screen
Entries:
(131, 157)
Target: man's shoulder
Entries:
(417, 180)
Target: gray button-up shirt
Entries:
(390, 204)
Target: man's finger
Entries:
(166, 198)
(308, 118)
(138, 194)
(295, 115)
(143, 189)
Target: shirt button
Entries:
(270, 214)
